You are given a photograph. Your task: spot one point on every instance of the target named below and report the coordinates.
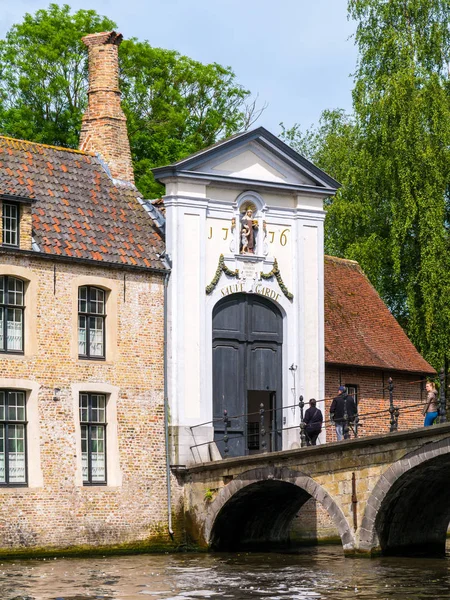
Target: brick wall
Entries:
(313, 523)
(25, 224)
(61, 512)
(104, 127)
(373, 398)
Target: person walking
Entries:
(313, 420)
(430, 412)
(342, 412)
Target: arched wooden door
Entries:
(247, 371)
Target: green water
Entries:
(314, 573)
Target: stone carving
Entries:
(265, 244)
(233, 227)
(221, 268)
(249, 227)
(275, 272)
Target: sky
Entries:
(296, 55)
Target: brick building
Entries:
(364, 347)
(82, 447)
(98, 345)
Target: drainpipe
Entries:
(166, 412)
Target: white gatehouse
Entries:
(244, 233)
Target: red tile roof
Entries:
(359, 328)
(78, 210)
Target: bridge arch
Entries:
(256, 509)
(408, 511)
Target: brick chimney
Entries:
(104, 127)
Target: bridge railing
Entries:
(264, 438)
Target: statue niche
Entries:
(249, 230)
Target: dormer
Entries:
(16, 221)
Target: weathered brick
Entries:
(62, 513)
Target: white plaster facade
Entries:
(203, 196)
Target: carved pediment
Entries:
(251, 162)
(252, 157)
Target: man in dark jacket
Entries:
(313, 423)
(342, 412)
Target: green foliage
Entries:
(43, 75)
(209, 495)
(174, 105)
(330, 144)
(393, 159)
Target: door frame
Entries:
(246, 339)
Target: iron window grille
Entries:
(12, 311)
(93, 438)
(10, 224)
(91, 322)
(13, 429)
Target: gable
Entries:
(252, 157)
(250, 161)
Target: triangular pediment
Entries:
(253, 156)
(251, 161)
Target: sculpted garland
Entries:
(222, 268)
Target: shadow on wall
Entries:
(414, 516)
(313, 525)
(272, 515)
(258, 517)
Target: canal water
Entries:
(312, 573)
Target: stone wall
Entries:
(55, 510)
(313, 522)
(352, 480)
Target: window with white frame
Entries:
(352, 390)
(10, 224)
(91, 322)
(13, 465)
(93, 437)
(11, 314)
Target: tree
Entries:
(174, 105)
(392, 214)
(43, 75)
(402, 104)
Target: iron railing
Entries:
(360, 425)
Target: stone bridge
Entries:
(385, 494)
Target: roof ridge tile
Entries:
(17, 143)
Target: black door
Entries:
(247, 343)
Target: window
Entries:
(93, 438)
(10, 224)
(352, 390)
(11, 314)
(13, 468)
(91, 322)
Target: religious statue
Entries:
(248, 232)
(245, 233)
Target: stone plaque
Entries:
(248, 270)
